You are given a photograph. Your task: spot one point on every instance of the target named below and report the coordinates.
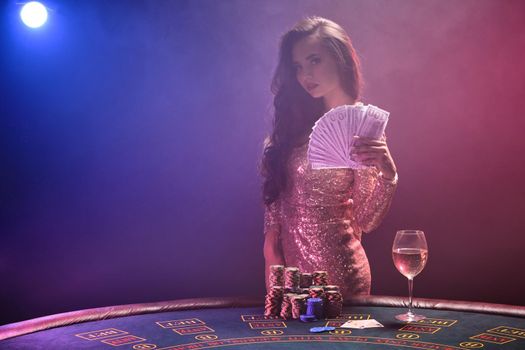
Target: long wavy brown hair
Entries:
(295, 111)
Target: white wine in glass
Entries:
(410, 254)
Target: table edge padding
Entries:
(68, 318)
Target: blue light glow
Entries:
(33, 14)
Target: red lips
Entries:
(311, 86)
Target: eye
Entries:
(297, 68)
(315, 60)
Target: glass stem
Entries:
(410, 286)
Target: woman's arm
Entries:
(374, 187)
(372, 198)
(272, 250)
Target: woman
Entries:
(314, 219)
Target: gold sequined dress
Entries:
(322, 215)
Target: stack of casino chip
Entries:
(298, 305)
(291, 278)
(319, 278)
(272, 303)
(276, 276)
(290, 290)
(305, 280)
(286, 306)
(331, 288)
(288, 295)
(316, 292)
(334, 304)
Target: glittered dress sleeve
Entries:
(272, 216)
(372, 198)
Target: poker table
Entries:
(239, 323)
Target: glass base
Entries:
(410, 317)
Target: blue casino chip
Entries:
(307, 318)
(321, 329)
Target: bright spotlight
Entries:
(33, 14)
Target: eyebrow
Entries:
(307, 57)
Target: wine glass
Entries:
(410, 254)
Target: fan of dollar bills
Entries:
(333, 134)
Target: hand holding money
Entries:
(373, 152)
(331, 140)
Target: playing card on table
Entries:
(361, 324)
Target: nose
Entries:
(304, 73)
(307, 72)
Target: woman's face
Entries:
(316, 70)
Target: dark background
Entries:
(131, 131)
